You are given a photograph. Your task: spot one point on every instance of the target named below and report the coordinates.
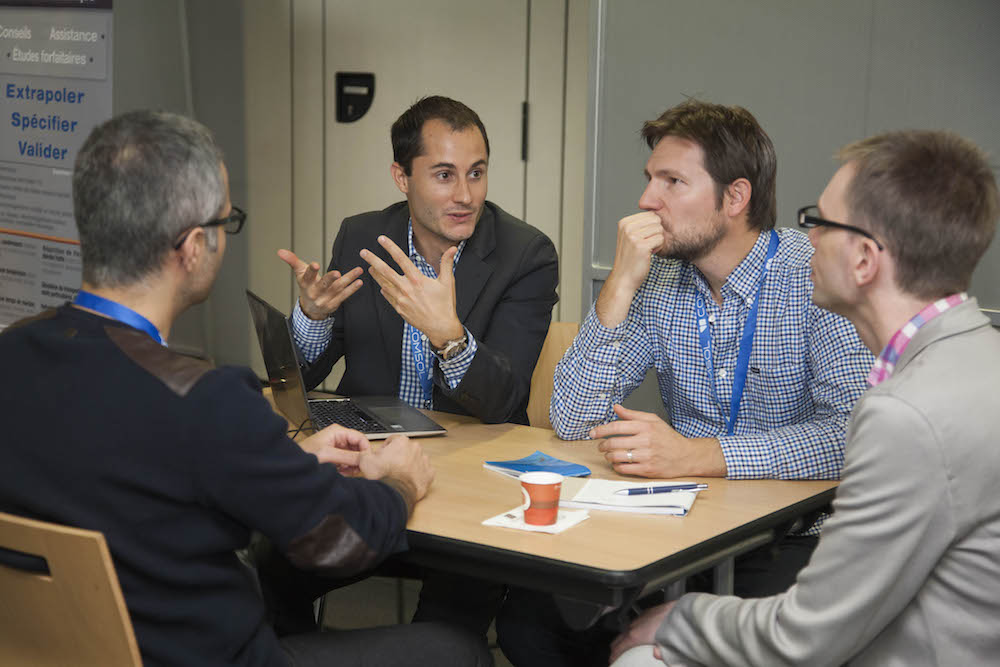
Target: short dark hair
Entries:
(931, 196)
(406, 131)
(735, 146)
(139, 181)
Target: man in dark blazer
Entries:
(460, 329)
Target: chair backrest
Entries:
(60, 602)
(557, 341)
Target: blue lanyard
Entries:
(746, 340)
(420, 363)
(118, 312)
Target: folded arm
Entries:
(336, 525)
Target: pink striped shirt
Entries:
(886, 362)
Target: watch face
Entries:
(453, 348)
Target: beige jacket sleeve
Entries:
(891, 525)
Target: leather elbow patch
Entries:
(332, 548)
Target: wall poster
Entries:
(55, 83)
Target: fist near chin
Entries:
(639, 237)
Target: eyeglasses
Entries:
(231, 224)
(807, 221)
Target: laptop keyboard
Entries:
(344, 413)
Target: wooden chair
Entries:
(61, 602)
(557, 341)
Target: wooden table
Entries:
(606, 562)
(610, 559)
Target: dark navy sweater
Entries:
(175, 463)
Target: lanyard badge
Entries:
(116, 311)
(746, 340)
(420, 363)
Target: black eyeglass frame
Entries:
(237, 217)
(807, 221)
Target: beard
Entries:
(696, 245)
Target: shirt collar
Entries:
(411, 249)
(743, 280)
(886, 362)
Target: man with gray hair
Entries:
(907, 571)
(174, 461)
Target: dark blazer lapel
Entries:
(473, 269)
(390, 323)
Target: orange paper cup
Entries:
(541, 497)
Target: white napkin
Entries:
(515, 519)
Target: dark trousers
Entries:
(435, 644)
(532, 633)
(462, 601)
(452, 610)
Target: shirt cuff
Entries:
(745, 458)
(311, 336)
(455, 368)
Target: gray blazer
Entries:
(908, 569)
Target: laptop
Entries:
(377, 417)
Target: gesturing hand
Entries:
(425, 303)
(321, 295)
(640, 443)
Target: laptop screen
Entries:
(283, 373)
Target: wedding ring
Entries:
(628, 455)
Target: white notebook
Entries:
(599, 494)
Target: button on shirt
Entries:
(312, 337)
(807, 365)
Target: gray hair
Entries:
(140, 180)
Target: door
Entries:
(475, 52)
(307, 171)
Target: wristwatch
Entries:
(452, 348)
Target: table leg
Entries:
(722, 577)
(581, 615)
(675, 589)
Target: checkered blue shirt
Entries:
(312, 337)
(807, 365)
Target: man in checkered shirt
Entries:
(699, 276)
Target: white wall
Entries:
(816, 74)
(286, 99)
(187, 57)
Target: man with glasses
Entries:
(757, 382)
(231, 224)
(807, 221)
(174, 461)
(907, 569)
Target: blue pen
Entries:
(645, 490)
